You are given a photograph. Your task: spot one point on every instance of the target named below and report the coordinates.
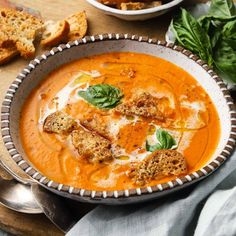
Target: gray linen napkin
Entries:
(207, 208)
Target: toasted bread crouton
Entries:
(160, 163)
(59, 123)
(55, 33)
(118, 2)
(19, 28)
(139, 5)
(141, 105)
(91, 146)
(132, 6)
(96, 124)
(153, 4)
(78, 25)
(6, 54)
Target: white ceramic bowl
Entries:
(38, 69)
(135, 14)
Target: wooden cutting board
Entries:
(23, 224)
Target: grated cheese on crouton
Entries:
(160, 163)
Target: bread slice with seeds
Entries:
(92, 146)
(55, 33)
(160, 163)
(19, 29)
(59, 123)
(143, 104)
(78, 25)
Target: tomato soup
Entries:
(190, 119)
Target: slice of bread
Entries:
(6, 54)
(160, 163)
(19, 28)
(78, 25)
(55, 33)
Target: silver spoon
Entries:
(17, 196)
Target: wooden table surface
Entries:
(23, 224)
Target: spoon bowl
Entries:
(18, 197)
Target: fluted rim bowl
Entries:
(38, 68)
(130, 15)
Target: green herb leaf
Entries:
(225, 52)
(220, 12)
(222, 9)
(190, 35)
(165, 141)
(103, 96)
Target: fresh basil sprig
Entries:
(165, 141)
(222, 9)
(212, 37)
(225, 52)
(103, 96)
(190, 35)
(220, 12)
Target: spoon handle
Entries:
(16, 176)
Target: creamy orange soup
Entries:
(192, 119)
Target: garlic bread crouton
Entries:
(91, 146)
(55, 33)
(59, 123)
(141, 105)
(160, 163)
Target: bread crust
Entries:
(56, 35)
(7, 54)
(78, 25)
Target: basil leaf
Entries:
(165, 141)
(152, 148)
(225, 52)
(190, 35)
(103, 96)
(222, 9)
(220, 12)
